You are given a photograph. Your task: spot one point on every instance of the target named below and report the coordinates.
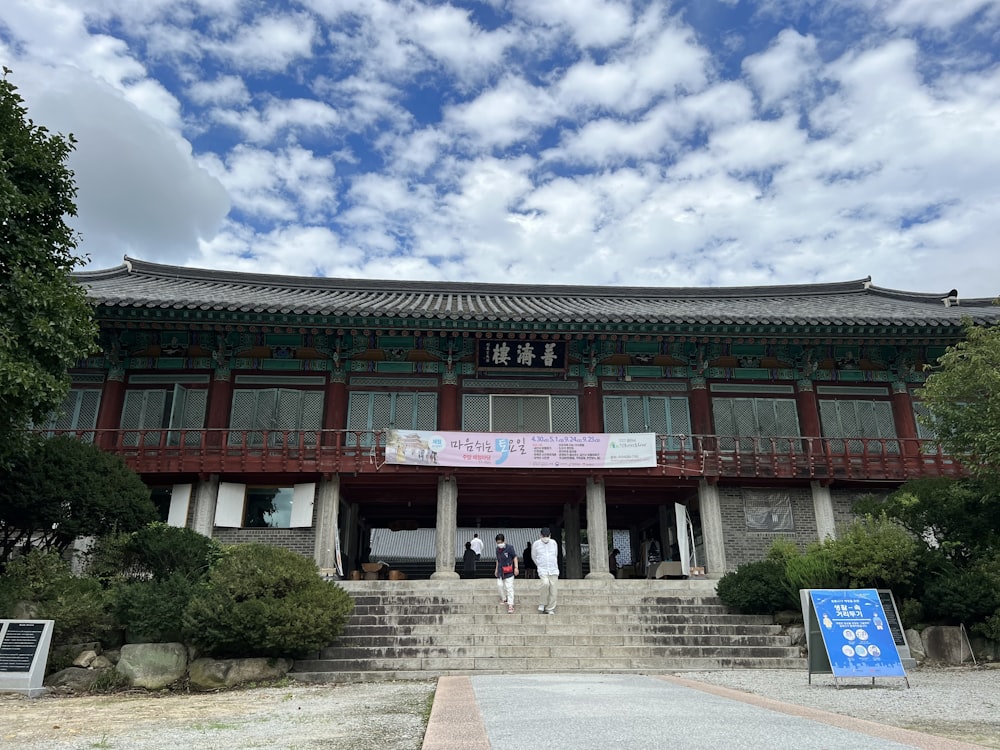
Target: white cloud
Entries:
(270, 43)
(591, 23)
(790, 64)
(227, 90)
(279, 116)
(510, 112)
(140, 191)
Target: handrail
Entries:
(162, 450)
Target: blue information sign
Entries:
(857, 639)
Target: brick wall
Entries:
(743, 546)
(298, 540)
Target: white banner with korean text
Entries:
(521, 450)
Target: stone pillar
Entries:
(327, 518)
(571, 551)
(447, 524)
(823, 508)
(597, 529)
(352, 538)
(206, 495)
(710, 510)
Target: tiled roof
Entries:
(138, 284)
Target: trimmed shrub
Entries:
(874, 552)
(42, 586)
(153, 611)
(816, 569)
(157, 552)
(756, 588)
(265, 601)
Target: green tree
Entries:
(61, 489)
(963, 398)
(958, 518)
(46, 322)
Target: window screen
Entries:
(375, 411)
(768, 511)
(737, 420)
(666, 416)
(483, 412)
(855, 418)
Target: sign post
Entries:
(852, 627)
(24, 651)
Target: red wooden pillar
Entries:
(808, 411)
(902, 415)
(220, 401)
(449, 417)
(701, 409)
(109, 415)
(334, 407)
(591, 414)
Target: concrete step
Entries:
(422, 629)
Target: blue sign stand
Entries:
(857, 641)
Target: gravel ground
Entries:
(957, 703)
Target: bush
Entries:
(153, 611)
(911, 612)
(265, 601)
(816, 569)
(970, 595)
(756, 588)
(874, 552)
(157, 552)
(40, 585)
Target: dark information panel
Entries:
(19, 646)
(892, 617)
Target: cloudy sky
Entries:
(643, 142)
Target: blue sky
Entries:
(698, 143)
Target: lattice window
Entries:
(155, 409)
(565, 414)
(660, 414)
(77, 412)
(509, 413)
(920, 413)
(476, 412)
(146, 410)
(272, 411)
(375, 411)
(745, 418)
(768, 511)
(853, 419)
(187, 413)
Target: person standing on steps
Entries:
(477, 545)
(545, 555)
(468, 562)
(505, 572)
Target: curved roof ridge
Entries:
(374, 286)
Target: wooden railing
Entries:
(215, 451)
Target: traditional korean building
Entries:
(260, 408)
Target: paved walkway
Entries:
(640, 712)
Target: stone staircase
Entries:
(424, 629)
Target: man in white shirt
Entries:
(477, 545)
(545, 554)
